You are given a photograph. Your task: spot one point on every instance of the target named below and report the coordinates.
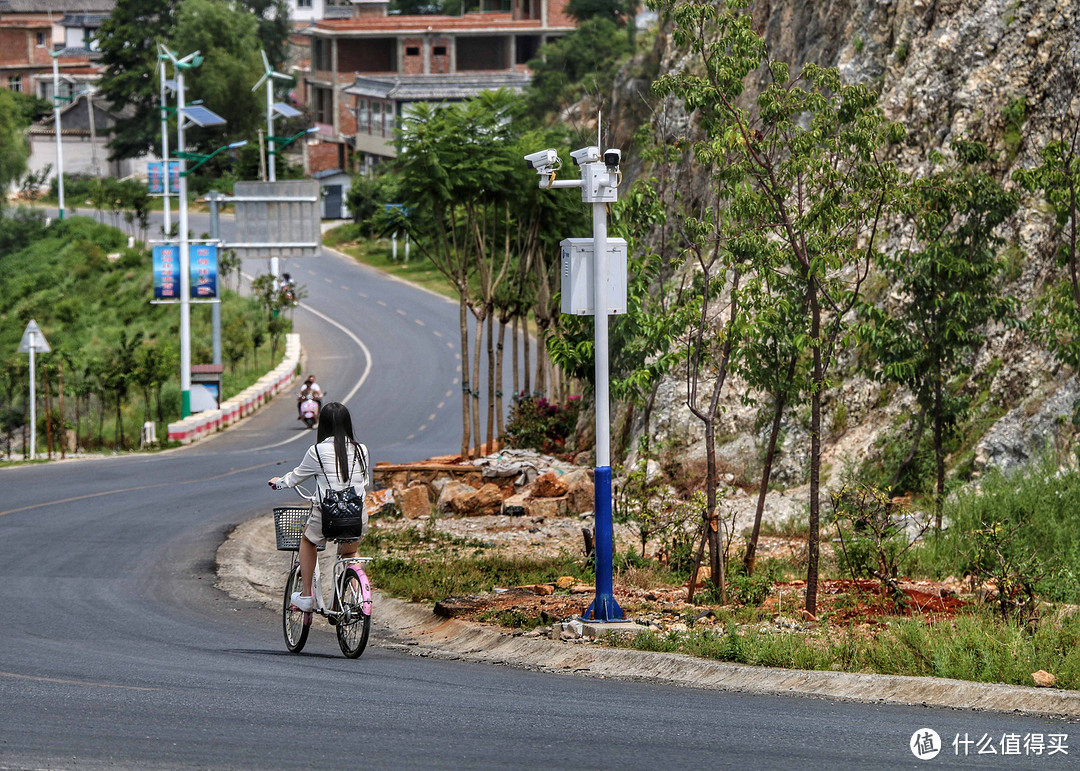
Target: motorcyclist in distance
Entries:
(309, 390)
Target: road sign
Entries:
(277, 219)
(33, 339)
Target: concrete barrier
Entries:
(202, 424)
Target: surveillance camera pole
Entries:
(599, 187)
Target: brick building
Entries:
(363, 71)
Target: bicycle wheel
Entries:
(354, 625)
(293, 621)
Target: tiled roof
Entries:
(57, 6)
(421, 24)
(83, 19)
(419, 88)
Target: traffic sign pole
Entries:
(33, 340)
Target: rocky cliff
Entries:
(1004, 72)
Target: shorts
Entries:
(313, 529)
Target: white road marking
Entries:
(418, 321)
(436, 332)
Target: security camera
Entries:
(612, 158)
(542, 159)
(586, 155)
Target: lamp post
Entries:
(268, 78)
(198, 116)
(56, 123)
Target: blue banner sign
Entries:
(203, 271)
(166, 272)
(155, 177)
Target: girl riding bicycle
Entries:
(336, 461)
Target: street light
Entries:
(56, 123)
(281, 108)
(283, 142)
(203, 158)
(197, 116)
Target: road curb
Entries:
(248, 570)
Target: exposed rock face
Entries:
(946, 69)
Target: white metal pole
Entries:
(59, 141)
(600, 342)
(33, 397)
(165, 152)
(185, 268)
(270, 127)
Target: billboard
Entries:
(202, 266)
(166, 260)
(203, 271)
(155, 178)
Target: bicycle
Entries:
(350, 608)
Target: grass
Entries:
(378, 254)
(424, 565)
(976, 647)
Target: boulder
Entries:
(451, 491)
(565, 582)
(580, 493)
(548, 485)
(381, 503)
(414, 502)
(487, 500)
(515, 506)
(546, 507)
(1043, 679)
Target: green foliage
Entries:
(1038, 501)
(1014, 115)
(948, 288)
(14, 147)
(582, 62)
(128, 41)
(1057, 178)
(366, 199)
(535, 423)
(227, 38)
(652, 506)
(94, 311)
(804, 186)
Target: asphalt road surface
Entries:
(118, 652)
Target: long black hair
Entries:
(335, 421)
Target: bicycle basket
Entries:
(289, 524)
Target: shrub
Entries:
(535, 423)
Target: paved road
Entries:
(118, 652)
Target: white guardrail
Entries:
(201, 424)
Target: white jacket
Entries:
(309, 467)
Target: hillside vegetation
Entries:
(119, 354)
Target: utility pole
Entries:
(59, 141)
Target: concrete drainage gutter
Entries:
(249, 568)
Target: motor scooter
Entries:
(309, 411)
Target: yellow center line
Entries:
(135, 489)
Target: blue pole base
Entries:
(603, 608)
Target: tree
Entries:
(14, 149)
(944, 291)
(273, 27)
(128, 41)
(227, 37)
(801, 172)
(582, 62)
(1057, 177)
